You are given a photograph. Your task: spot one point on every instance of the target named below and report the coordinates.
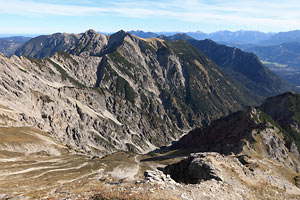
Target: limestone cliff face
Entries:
(118, 92)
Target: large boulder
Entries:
(192, 170)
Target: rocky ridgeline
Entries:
(118, 92)
(246, 132)
(243, 67)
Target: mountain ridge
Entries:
(244, 67)
(146, 92)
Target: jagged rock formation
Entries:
(46, 45)
(118, 92)
(192, 170)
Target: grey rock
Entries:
(192, 170)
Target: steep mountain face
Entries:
(286, 114)
(9, 45)
(249, 132)
(117, 92)
(244, 67)
(47, 45)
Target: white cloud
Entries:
(284, 15)
(33, 8)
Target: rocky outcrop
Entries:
(247, 132)
(157, 177)
(192, 170)
(215, 176)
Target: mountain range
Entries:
(234, 38)
(277, 51)
(244, 67)
(282, 61)
(81, 110)
(147, 92)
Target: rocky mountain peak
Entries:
(91, 43)
(91, 32)
(117, 38)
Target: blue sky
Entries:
(45, 16)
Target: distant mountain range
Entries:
(9, 45)
(234, 38)
(238, 37)
(283, 59)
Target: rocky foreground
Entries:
(33, 165)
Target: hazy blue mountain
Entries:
(198, 35)
(286, 53)
(143, 34)
(9, 45)
(283, 37)
(284, 59)
(240, 37)
(227, 37)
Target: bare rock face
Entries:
(192, 170)
(158, 177)
(89, 44)
(118, 92)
